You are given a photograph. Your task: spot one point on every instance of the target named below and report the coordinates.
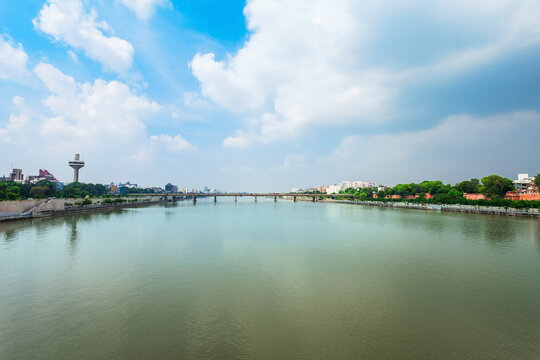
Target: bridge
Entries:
(293, 196)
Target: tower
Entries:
(76, 164)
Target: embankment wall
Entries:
(473, 209)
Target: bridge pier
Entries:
(235, 199)
(275, 198)
(314, 199)
(194, 200)
(255, 198)
(215, 199)
(294, 199)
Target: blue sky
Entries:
(270, 94)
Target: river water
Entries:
(270, 281)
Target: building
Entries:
(525, 184)
(43, 175)
(333, 189)
(113, 189)
(322, 189)
(76, 164)
(170, 188)
(16, 175)
(363, 184)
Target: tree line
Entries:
(494, 187)
(11, 190)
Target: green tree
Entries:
(469, 186)
(39, 192)
(455, 194)
(537, 180)
(496, 186)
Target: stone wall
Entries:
(18, 206)
(490, 210)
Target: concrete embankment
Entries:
(489, 210)
(29, 209)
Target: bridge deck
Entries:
(244, 195)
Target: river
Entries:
(270, 280)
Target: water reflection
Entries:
(10, 231)
(501, 234)
(498, 231)
(72, 224)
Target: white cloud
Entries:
(176, 143)
(104, 121)
(90, 115)
(67, 21)
(73, 56)
(13, 60)
(192, 99)
(463, 146)
(292, 160)
(144, 9)
(18, 126)
(240, 141)
(305, 63)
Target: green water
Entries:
(270, 281)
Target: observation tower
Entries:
(76, 164)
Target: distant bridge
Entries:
(294, 196)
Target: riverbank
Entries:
(473, 209)
(32, 209)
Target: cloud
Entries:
(310, 63)
(86, 114)
(176, 143)
(13, 60)
(18, 124)
(463, 146)
(192, 99)
(67, 21)
(293, 160)
(73, 56)
(144, 9)
(105, 121)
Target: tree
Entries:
(39, 192)
(495, 185)
(469, 186)
(537, 180)
(455, 194)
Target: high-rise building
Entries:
(170, 188)
(16, 175)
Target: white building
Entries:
(362, 184)
(524, 183)
(333, 189)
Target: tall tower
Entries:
(76, 164)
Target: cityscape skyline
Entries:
(17, 174)
(267, 96)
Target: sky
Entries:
(267, 95)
